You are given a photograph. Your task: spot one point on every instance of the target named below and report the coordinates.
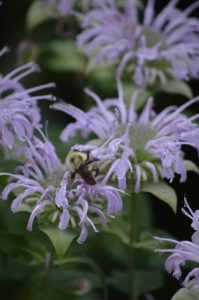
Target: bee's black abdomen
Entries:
(86, 175)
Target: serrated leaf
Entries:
(162, 191)
(61, 239)
(186, 294)
(62, 56)
(177, 87)
(38, 13)
(190, 166)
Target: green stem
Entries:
(132, 239)
(43, 279)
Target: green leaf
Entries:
(190, 166)
(8, 165)
(23, 248)
(70, 284)
(162, 191)
(38, 13)
(62, 56)
(186, 294)
(177, 87)
(61, 239)
(144, 281)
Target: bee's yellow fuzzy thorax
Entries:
(75, 159)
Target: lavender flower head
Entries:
(158, 48)
(19, 113)
(48, 193)
(184, 251)
(146, 145)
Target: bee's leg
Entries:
(95, 171)
(90, 161)
(73, 174)
(87, 156)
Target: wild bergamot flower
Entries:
(19, 113)
(48, 192)
(154, 48)
(147, 145)
(184, 251)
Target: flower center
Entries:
(153, 37)
(139, 135)
(54, 179)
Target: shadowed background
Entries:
(70, 87)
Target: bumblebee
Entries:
(81, 164)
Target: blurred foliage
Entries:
(61, 56)
(31, 267)
(38, 13)
(163, 192)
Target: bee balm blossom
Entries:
(156, 48)
(19, 113)
(49, 193)
(148, 145)
(184, 251)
